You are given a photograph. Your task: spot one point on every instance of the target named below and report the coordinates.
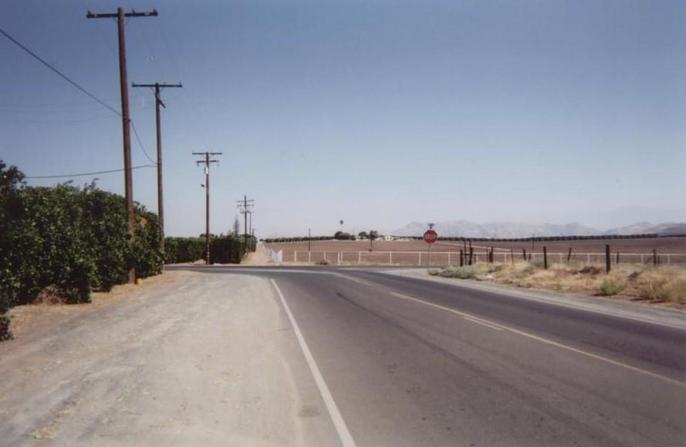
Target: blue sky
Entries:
(375, 112)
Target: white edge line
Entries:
(543, 340)
(338, 422)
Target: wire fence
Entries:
(445, 258)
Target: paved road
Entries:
(412, 362)
(326, 356)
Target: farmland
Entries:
(415, 252)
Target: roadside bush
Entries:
(106, 214)
(183, 249)
(70, 239)
(465, 272)
(662, 284)
(5, 333)
(610, 287)
(226, 250)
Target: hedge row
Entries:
(297, 239)
(68, 241)
(183, 249)
(223, 249)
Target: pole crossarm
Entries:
(111, 15)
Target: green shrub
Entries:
(73, 239)
(5, 333)
(465, 272)
(183, 249)
(226, 250)
(610, 287)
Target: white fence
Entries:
(441, 258)
(276, 256)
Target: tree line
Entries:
(65, 241)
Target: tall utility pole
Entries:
(120, 15)
(245, 208)
(158, 102)
(207, 162)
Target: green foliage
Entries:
(223, 249)
(465, 272)
(5, 333)
(71, 239)
(610, 287)
(147, 253)
(183, 249)
(227, 250)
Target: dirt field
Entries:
(412, 252)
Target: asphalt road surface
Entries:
(325, 356)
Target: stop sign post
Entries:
(430, 236)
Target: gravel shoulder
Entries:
(186, 358)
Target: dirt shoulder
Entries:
(184, 359)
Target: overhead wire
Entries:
(85, 174)
(77, 86)
(140, 143)
(59, 73)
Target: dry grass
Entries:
(656, 284)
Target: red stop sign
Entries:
(430, 236)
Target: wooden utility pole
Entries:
(207, 162)
(160, 196)
(245, 208)
(121, 16)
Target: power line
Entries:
(59, 73)
(85, 174)
(140, 143)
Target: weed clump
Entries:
(610, 287)
(657, 284)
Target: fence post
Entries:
(569, 255)
(545, 257)
(295, 255)
(359, 257)
(420, 259)
(524, 254)
(607, 259)
(448, 258)
(461, 258)
(471, 252)
(390, 257)
(309, 257)
(617, 260)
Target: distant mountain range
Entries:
(503, 230)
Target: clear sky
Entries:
(375, 112)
